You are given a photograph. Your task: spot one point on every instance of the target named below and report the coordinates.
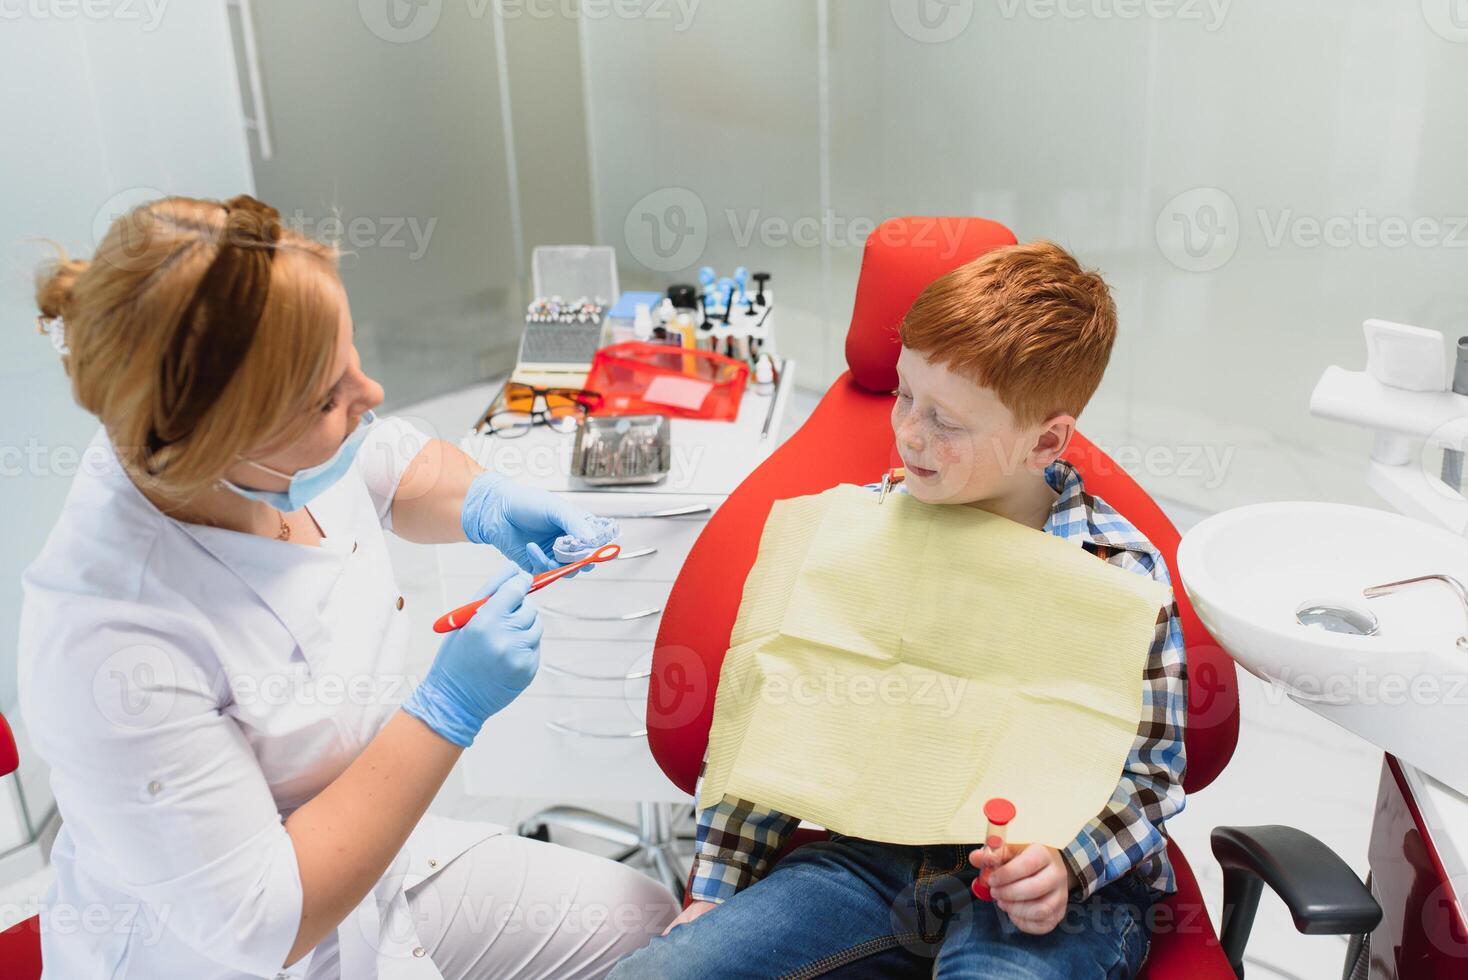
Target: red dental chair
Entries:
(20, 945)
(849, 439)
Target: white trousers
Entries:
(514, 907)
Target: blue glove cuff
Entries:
(475, 511)
(442, 717)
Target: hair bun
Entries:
(54, 285)
(250, 222)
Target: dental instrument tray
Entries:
(626, 449)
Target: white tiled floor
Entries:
(1290, 767)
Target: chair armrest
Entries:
(1321, 891)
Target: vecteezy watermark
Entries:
(534, 459)
(1362, 229)
(143, 922)
(1209, 13)
(1364, 686)
(932, 21)
(667, 229)
(365, 231)
(940, 21)
(832, 687)
(679, 13)
(1447, 18)
(38, 459)
(1200, 229)
(1442, 923)
(148, 14)
(1205, 464)
(131, 231)
(400, 21)
(406, 21)
(835, 230)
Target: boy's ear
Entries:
(1053, 440)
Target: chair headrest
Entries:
(902, 256)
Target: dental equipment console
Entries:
(1403, 395)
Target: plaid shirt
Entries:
(737, 841)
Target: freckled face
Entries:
(958, 441)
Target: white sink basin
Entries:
(1248, 571)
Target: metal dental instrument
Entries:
(779, 367)
(890, 479)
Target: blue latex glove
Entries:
(535, 529)
(485, 665)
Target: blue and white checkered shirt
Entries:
(737, 841)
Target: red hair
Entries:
(1025, 321)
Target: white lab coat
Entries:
(190, 687)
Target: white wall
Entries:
(1263, 129)
(106, 104)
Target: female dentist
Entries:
(214, 655)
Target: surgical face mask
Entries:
(309, 483)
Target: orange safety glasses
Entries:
(515, 413)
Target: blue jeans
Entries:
(856, 908)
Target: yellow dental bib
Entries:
(895, 665)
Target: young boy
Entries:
(998, 358)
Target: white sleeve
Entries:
(391, 444)
(160, 785)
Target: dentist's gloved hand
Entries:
(535, 529)
(485, 665)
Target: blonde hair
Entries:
(1024, 320)
(121, 314)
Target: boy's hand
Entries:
(689, 914)
(1030, 884)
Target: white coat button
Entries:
(154, 788)
(418, 951)
(433, 862)
(400, 602)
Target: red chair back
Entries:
(20, 945)
(9, 754)
(848, 439)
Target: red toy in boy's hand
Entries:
(999, 812)
(1032, 886)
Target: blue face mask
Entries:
(308, 484)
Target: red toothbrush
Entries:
(456, 619)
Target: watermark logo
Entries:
(1210, 13)
(133, 688)
(667, 230)
(132, 230)
(1441, 918)
(1447, 18)
(400, 21)
(678, 688)
(679, 12)
(932, 21)
(408, 234)
(1198, 230)
(147, 13)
